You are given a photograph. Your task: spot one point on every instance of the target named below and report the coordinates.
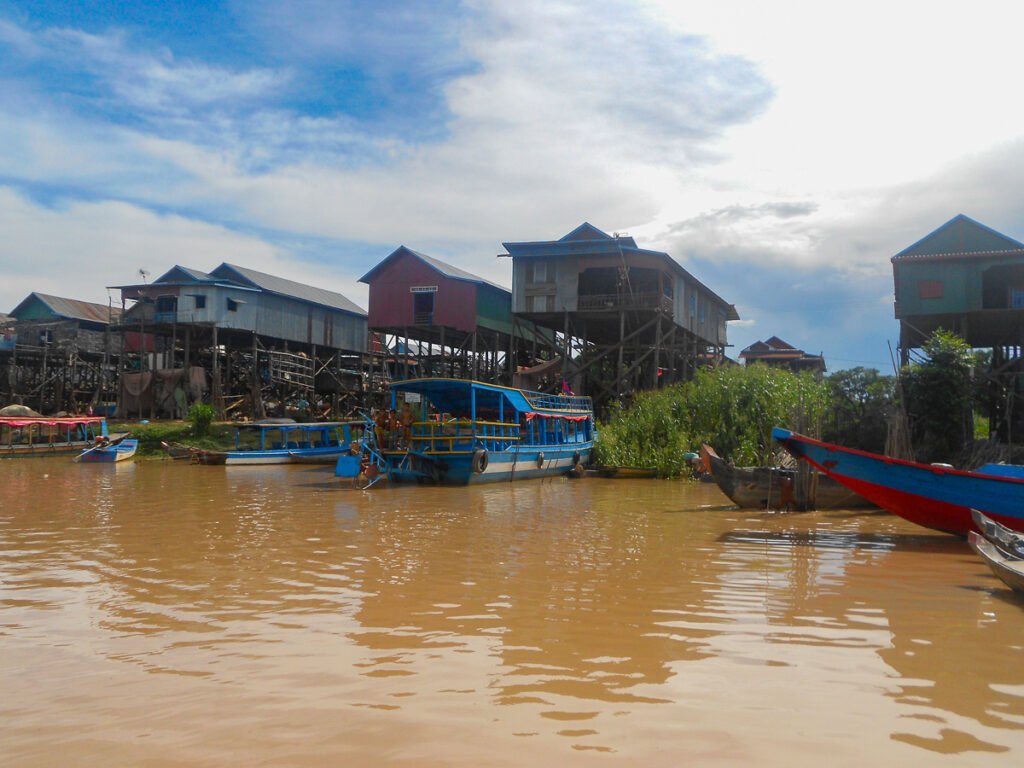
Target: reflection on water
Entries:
(169, 614)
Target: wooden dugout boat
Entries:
(1009, 569)
(999, 534)
(772, 487)
(932, 495)
(624, 473)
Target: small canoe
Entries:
(177, 450)
(110, 452)
(999, 534)
(605, 470)
(1003, 564)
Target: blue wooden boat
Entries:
(281, 441)
(121, 449)
(465, 432)
(932, 495)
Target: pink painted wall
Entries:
(391, 303)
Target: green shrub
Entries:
(731, 408)
(201, 415)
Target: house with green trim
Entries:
(964, 277)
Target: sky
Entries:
(781, 152)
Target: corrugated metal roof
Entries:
(171, 276)
(443, 267)
(73, 309)
(961, 237)
(290, 288)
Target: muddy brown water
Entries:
(163, 614)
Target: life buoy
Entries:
(479, 460)
(540, 460)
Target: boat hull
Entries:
(1008, 569)
(457, 468)
(123, 451)
(763, 487)
(273, 456)
(937, 497)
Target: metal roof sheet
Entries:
(289, 288)
(73, 309)
(443, 267)
(961, 237)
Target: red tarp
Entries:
(530, 415)
(65, 421)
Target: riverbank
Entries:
(152, 435)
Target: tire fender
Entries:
(479, 460)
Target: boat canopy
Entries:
(56, 421)
(456, 396)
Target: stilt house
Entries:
(966, 278)
(628, 318)
(259, 338)
(57, 353)
(444, 320)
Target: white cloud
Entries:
(76, 250)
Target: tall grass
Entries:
(731, 408)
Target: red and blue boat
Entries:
(935, 496)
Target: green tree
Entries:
(862, 400)
(939, 394)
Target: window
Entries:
(703, 309)
(423, 308)
(167, 304)
(200, 301)
(232, 305)
(930, 289)
(541, 304)
(540, 271)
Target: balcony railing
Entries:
(612, 301)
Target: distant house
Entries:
(779, 354)
(66, 324)
(963, 277)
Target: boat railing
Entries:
(462, 435)
(559, 402)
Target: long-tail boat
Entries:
(936, 496)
